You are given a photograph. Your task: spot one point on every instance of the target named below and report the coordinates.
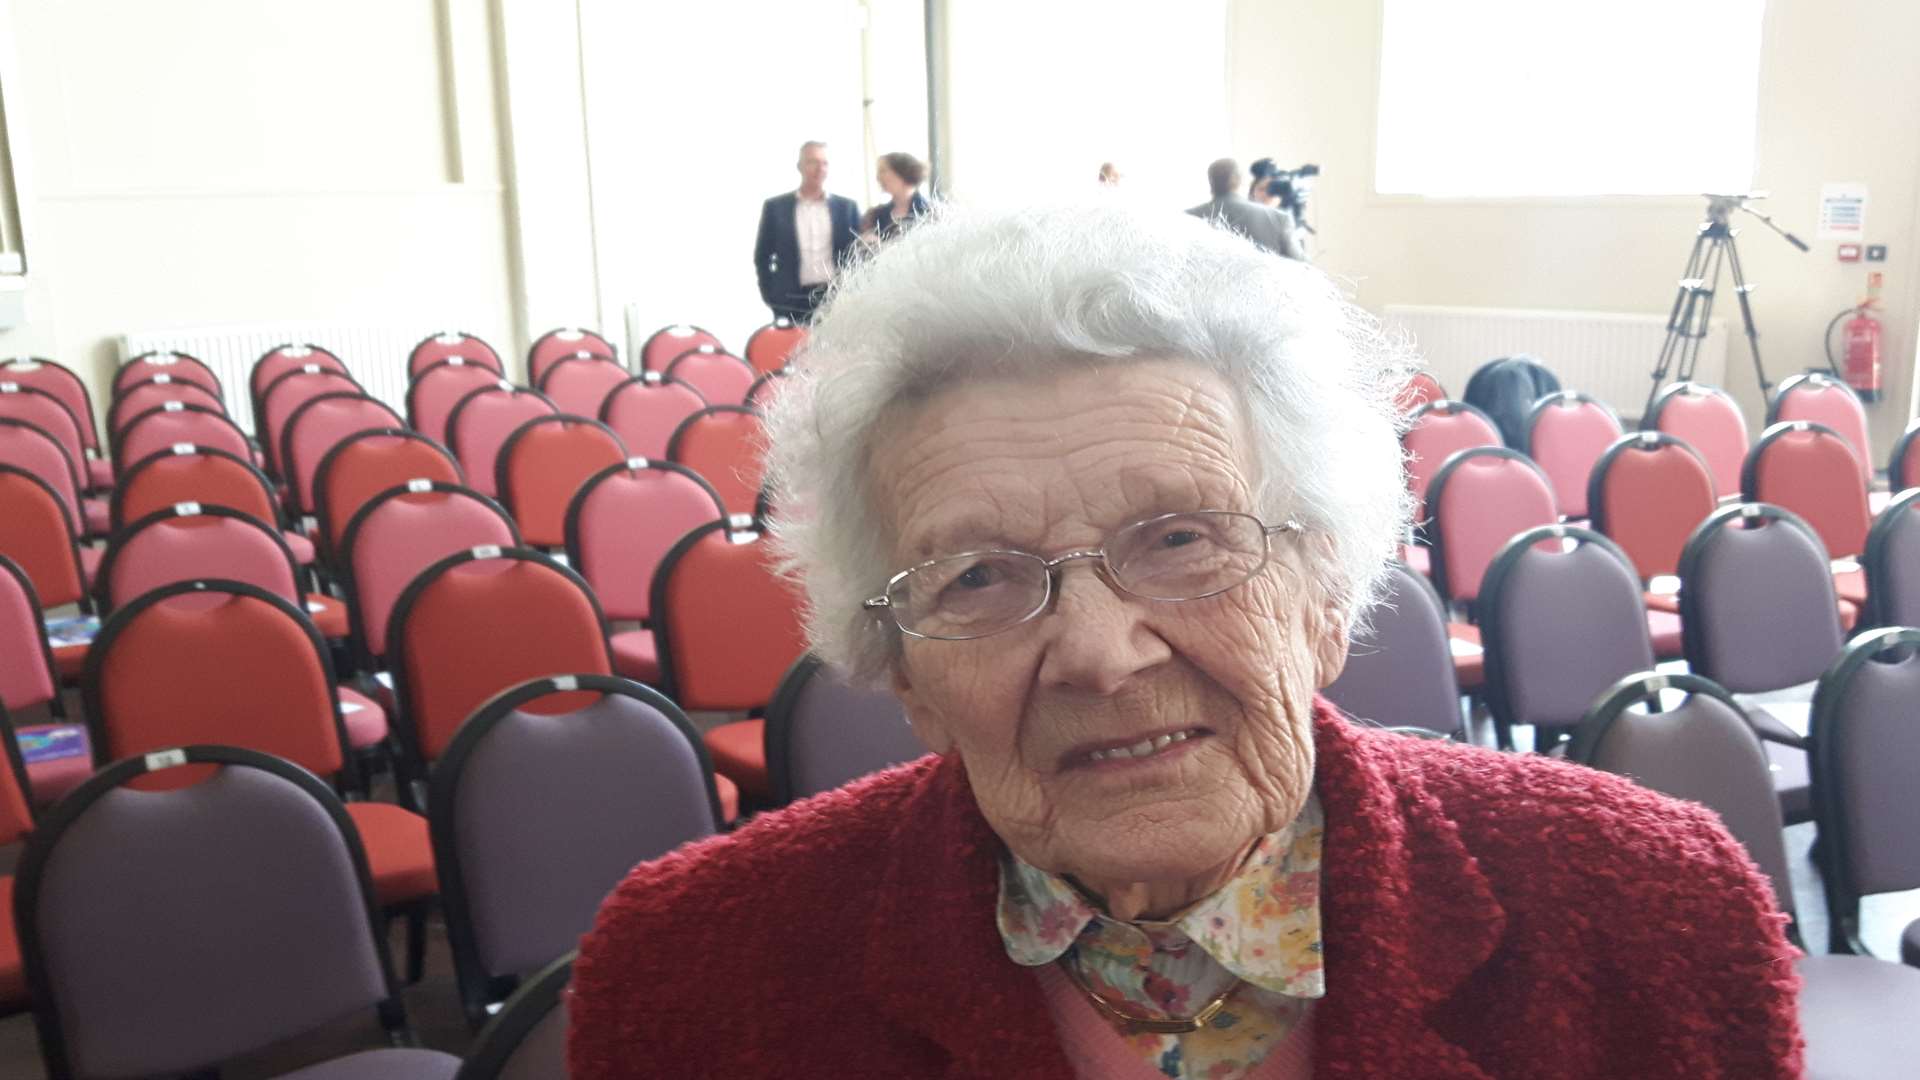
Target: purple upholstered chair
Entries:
(1856, 1013)
(1867, 756)
(823, 733)
(537, 816)
(1561, 619)
(1892, 565)
(1399, 672)
(527, 1040)
(167, 931)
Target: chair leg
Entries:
(417, 941)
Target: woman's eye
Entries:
(1179, 538)
(977, 576)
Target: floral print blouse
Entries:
(1262, 927)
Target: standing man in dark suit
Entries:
(803, 236)
(1267, 226)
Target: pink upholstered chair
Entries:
(480, 424)
(449, 344)
(670, 341)
(719, 376)
(1823, 399)
(1566, 434)
(647, 408)
(60, 381)
(543, 463)
(284, 396)
(725, 444)
(772, 345)
(177, 364)
(317, 427)
(1481, 498)
(174, 424)
(365, 464)
(144, 395)
(1441, 429)
(281, 359)
(26, 446)
(579, 383)
(1708, 420)
(566, 343)
(46, 412)
(438, 387)
(1809, 468)
(58, 754)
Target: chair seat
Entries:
(1850, 585)
(301, 547)
(634, 656)
(51, 778)
(399, 851)
(1664, 628)
(389, 1064)
(739, 752)
(96, 516)
(729, 793)
(329, 615)
(13, 974)
(99, 473)
(1856, 1014)
(364, 719)
(1662, 601)
(1469, 659)
(1791, 781)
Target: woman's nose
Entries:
(1099, 637)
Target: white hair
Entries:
(975, 294)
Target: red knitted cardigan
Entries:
(1484, 915)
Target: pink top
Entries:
(1099, 1053)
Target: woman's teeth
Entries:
(1142, 748)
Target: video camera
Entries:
(1290, 186)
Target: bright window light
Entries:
(1504, 98)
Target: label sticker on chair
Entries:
(570, 335)
(742, 537)
(163, 359)
(173, 406)
(740, 521)
(457, 361)
(183, 448)
(163, 379)
(486, 551)
(311, 369)
(348, 708)
(185, 509)
(9, 387)
(419, 484)
(566, 682)
(165, 759)
(448, 337)
(296, 350)
(651, 378)
(637, 463)
(505, 385)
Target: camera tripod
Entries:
(1687, 323)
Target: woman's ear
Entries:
(1327, 631)
(924, 719)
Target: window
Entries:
(1493, 98)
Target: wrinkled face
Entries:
(813, 166)
(1054, 464)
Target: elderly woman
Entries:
(1100, 496)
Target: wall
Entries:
(225, 161)
(1839, 100)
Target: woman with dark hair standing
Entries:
(900, 175)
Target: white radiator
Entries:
(376, 355)
(1609, 355)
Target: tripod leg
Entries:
(1677, 319)
(1702, 313)
(1741, 289)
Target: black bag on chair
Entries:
(1506, 389)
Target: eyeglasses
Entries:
(1172, 557)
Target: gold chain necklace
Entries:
(1135, 1024)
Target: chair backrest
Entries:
(568, 341)
(664, 344)
(213, 660)
(1562, 618)
(579, 383)
(1757, 609)
(646, 410)
(318, 426)
(451, 343)
(188, 473)
(177, 364)
(400, 532)
(1440, 430)
(45, 411)
(823, 732)
(141, 396)
(764, 389)
(1703, 750)
(121, 892)
(624, 520)
(189, 541)
(719, 376)
(481, 422)
(29, 447)
(1480, 499)
(771, 346)
(1707, 419)
(1421, 388)
(725, 444)
(285, 395)
(27, 678)
(432, 394)
(1903, 466)
(1809, 469)
(1399, 668)
(623, 779)
(527, 1038)
(367, 463)
(172, 424)
(1892, 564)
(544, 463)
(60, 381)
(478, 622)
(37, 534)
(1822, 399)
(1865, 756)
(281, 359)
(726, 626)
(1566, 433)
(1646, 494)
(16, 807)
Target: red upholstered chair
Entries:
(27, 446)
(771, 346)
(177, 364)
(1808, 468)
(566, 343)
(1903, 467)
(479, 425)
(144, 395)
(397, 534)
(647, 408)
(1823, 399)
(44, 411)
(476, 623)
(16, 823)
(668, 342)
(719, 376)
(725, 444)
(726, 628)
(188, 473)
(1440, 430)
(1566, 433)
(1647, 494)
(432, 394)
(60, 756)
(36, 533)
(365, 464)
(1421, 388)
(453, 343)
(620, 525)
(316, 427)
(61, 381)
(1707, 419)
(543, 463)
(1481, 498)
(284, 396)
(764, 389)
(223, 662)
(173, 424)
(281, 359)
(580, 383)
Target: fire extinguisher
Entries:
(1861, 335)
